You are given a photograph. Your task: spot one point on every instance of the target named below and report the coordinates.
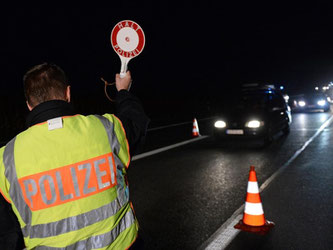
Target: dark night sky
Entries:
(191, 51)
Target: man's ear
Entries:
(29, 107)
(68, 93)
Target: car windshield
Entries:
(245, 101)
(252, 101)
(315, 95)
(310, 96)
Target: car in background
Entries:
(315, 101)
(256, 111)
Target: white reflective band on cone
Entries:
(252, 187)
(253, 208)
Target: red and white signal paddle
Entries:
(128, 40)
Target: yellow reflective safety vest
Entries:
(66, 182)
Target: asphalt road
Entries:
(182, 196)
(300, 202)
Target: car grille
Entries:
(234, 125)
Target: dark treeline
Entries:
(161, 110)
(13, 112)
(12, 116)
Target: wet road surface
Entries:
(184, 195)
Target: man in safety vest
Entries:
(65, 176)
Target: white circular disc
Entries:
(127, 39)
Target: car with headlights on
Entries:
(256, 111)
(311, 101)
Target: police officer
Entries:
(65, 176)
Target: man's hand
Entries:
(124, 83)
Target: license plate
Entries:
(235, 131)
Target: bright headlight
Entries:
(321, 102)
(301, 103)
(253, 124)
(220, 124)
(286, 98)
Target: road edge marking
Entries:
(159, 150)
(223, 236)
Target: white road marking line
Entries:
(226, 233)
(306, 129)
(159, 150)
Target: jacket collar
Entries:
(48, 110)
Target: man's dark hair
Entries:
(44, 82)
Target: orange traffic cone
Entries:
(195, 130)
(253, 218)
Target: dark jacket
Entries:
(128, 109)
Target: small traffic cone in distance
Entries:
(195, 130)
(253, 218)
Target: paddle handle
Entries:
(123, 68)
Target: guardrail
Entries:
(160, 133)
(178, 124)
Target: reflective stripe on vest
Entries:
(72, 223)
(15, 192)
(80, 221)
(122, 189)
(99, 241)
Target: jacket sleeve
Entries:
(130, 112)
